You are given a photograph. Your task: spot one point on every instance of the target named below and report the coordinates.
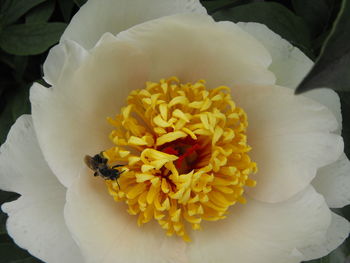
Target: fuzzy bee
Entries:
(99, 165)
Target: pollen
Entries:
(184, 153)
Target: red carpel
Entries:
(185, 152)
(170, 150)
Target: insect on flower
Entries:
(99, 165)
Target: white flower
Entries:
(114, 46)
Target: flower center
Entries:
(185, 154)
(188, 152)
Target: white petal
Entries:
(290, 66)
(290, 138)
(35, 220)
(330, 99)
(333, 182)
(70, 118)
(223, 55)
(100, 16)
(263, 233)
(336, 234)
(107, 233)
(288, 163)
(63, 59)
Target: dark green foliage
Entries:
(30, 39)
(41, 13)
(214, 6)
(277, 17)
(79, 2)
(11, 10)
(316, 13)
(66, 7)
(332, 67)
(10, 253)
(345, 102)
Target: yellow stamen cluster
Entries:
(184, 148)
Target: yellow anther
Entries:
(178, 100)
(205, 121)
(181, 115)
(159, 121)
(169, 137)
(163, 109)
(152, 192)
(159, 130)
(190, 133)
(135, 190)
(150, 154)
(143, 177)
(165, 186)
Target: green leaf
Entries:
(5, 84)
(332, 68)
(80, 2)
(66, 7)
(3, 218)
(7, 196)
(275, 16)
(321, 260)
(20, 104)
(20, 63)
(28, 260)
(214, 6)
(30, 39)
(41, 13)
(7, 59)
(4, 238)
(11, 10)
(316, 13)
(43, 83)
(6, 121)
(345, 110)
(10, 253)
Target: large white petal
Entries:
(263, 233)
(291, 139)
(99, 16)
(106, 233)
(35, 220)
(336, 234)
(194, 47)
(333, 182)
(70, 118)
(290, 65)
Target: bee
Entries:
(99, 165)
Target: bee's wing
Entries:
(89, 162)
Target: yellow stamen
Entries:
(185, 153)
